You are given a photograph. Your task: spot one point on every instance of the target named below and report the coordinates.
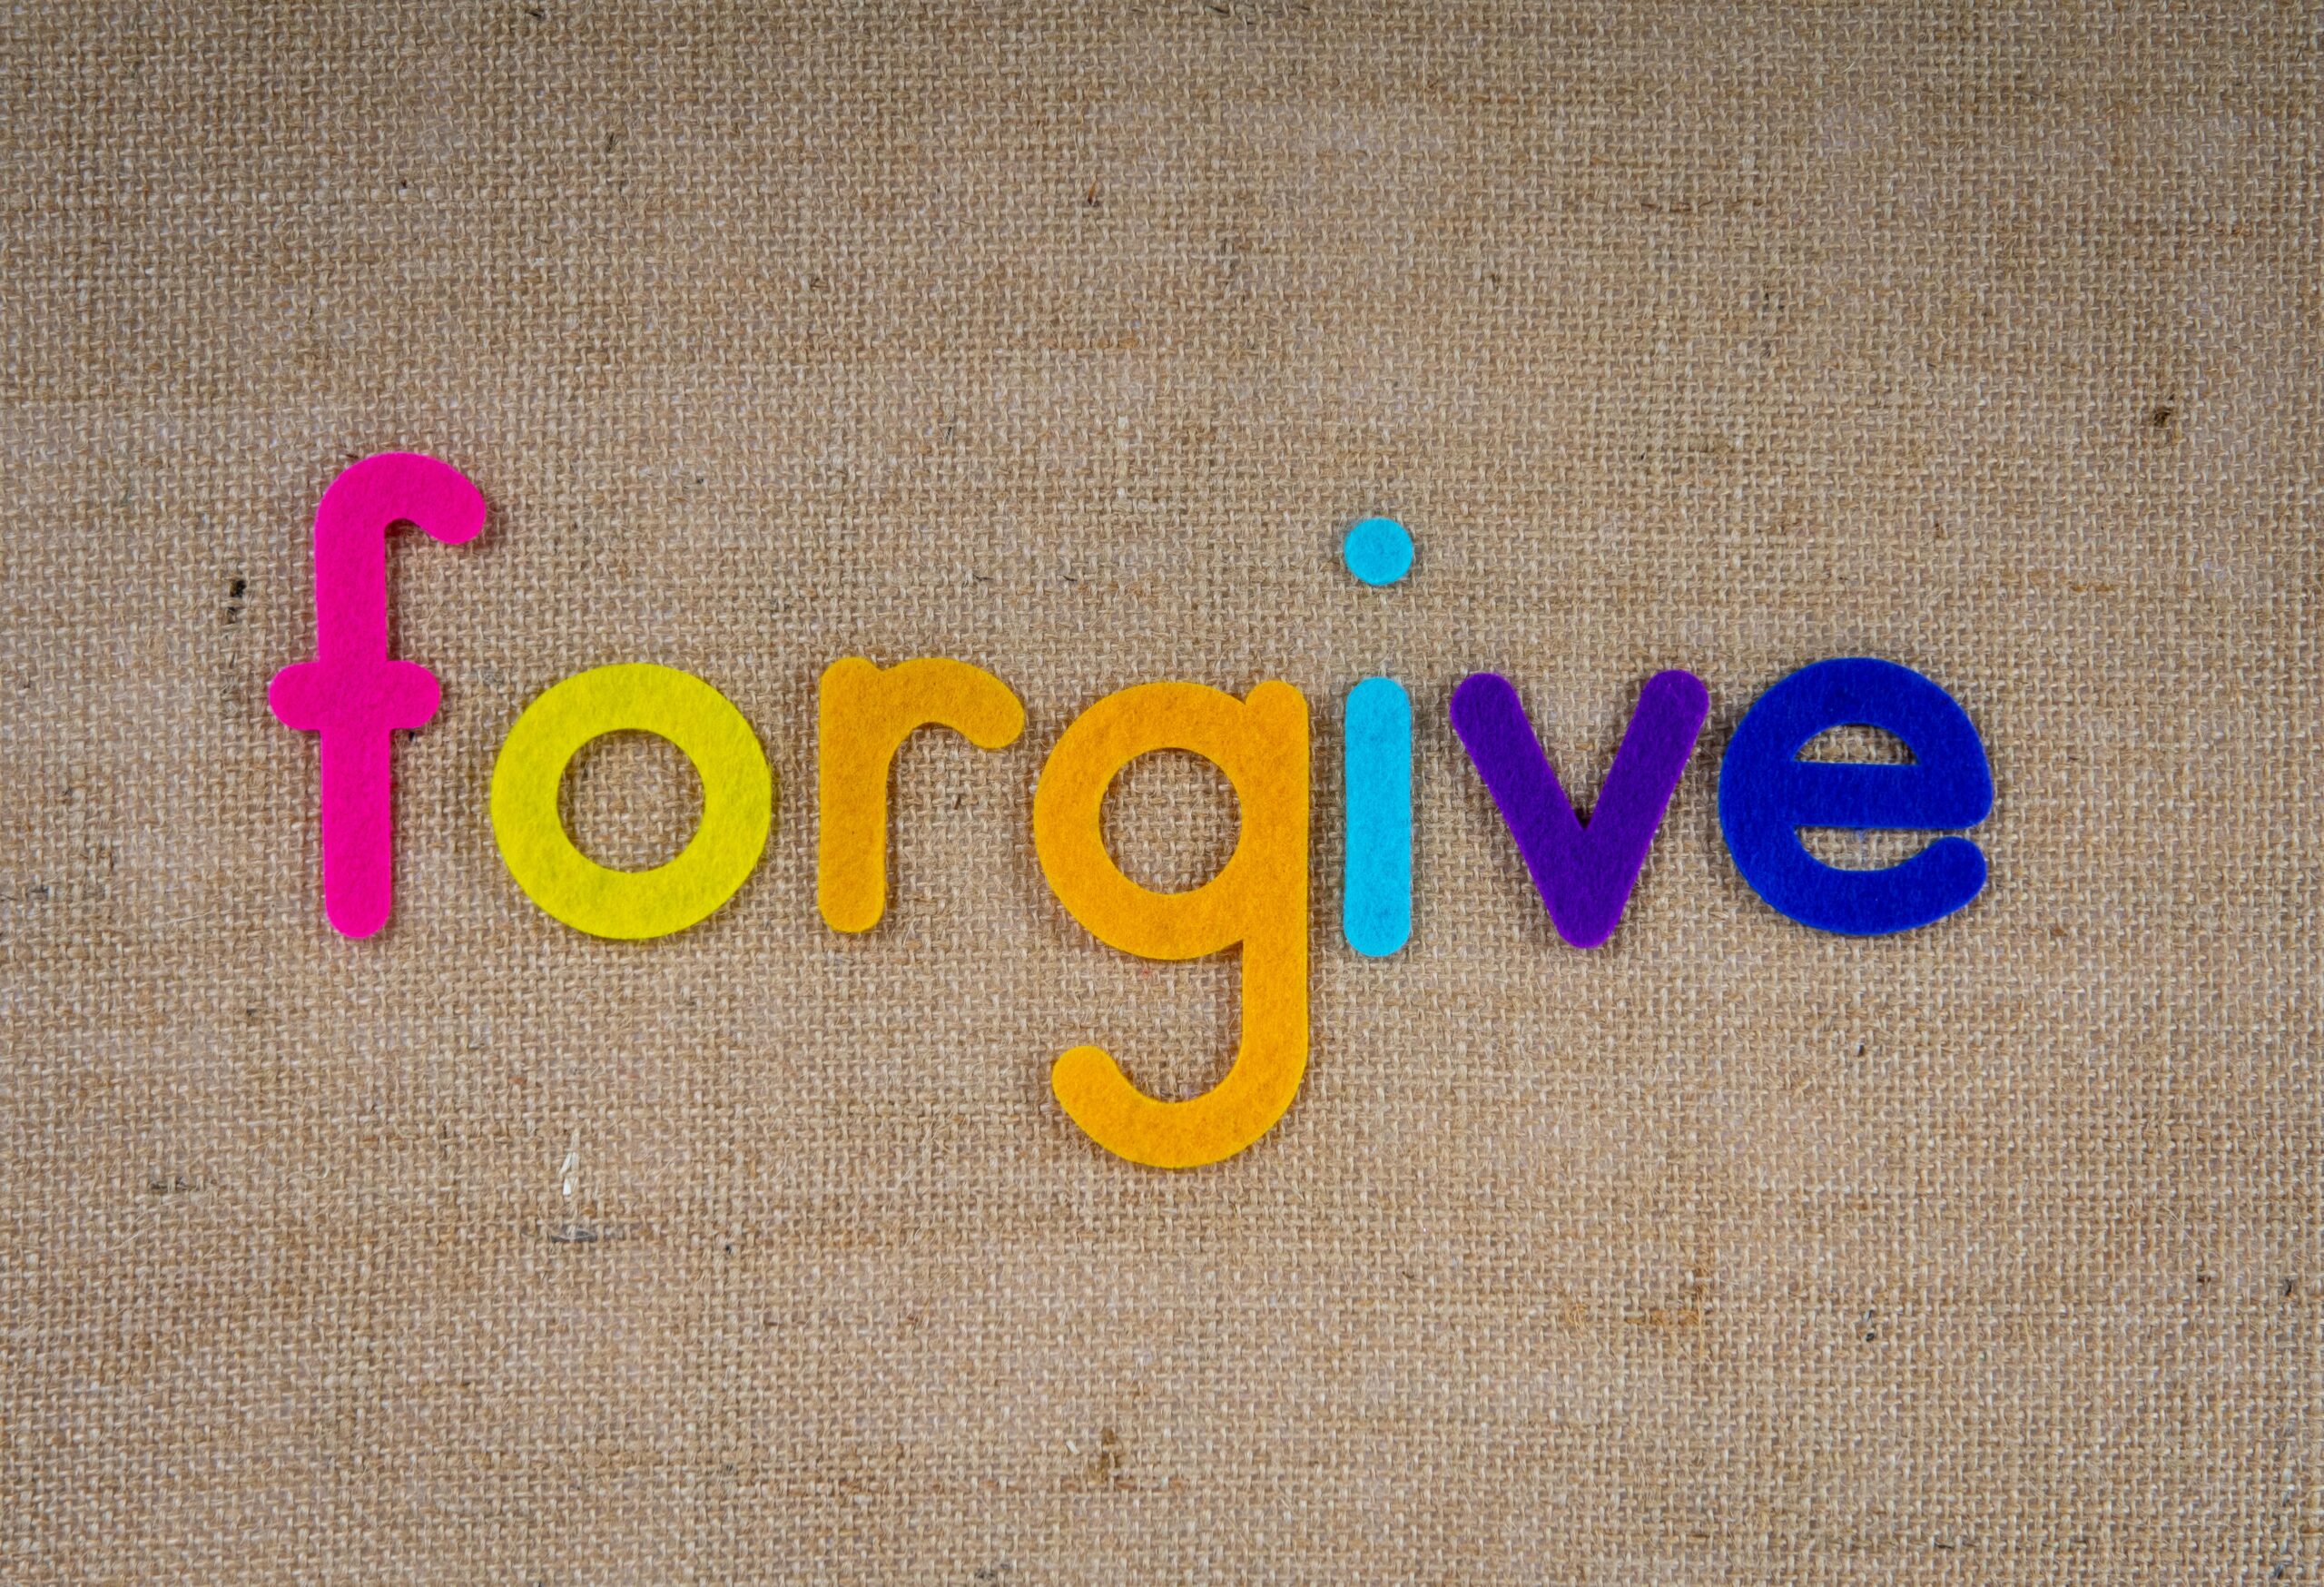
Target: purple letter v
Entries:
(1583, 873)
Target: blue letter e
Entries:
(1766, 793)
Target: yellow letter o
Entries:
(737, 801)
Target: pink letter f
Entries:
(351, 693)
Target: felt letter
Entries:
(866, 714)
(737, 801)
(1376, 871)
(1584, 874)
(351, 694)
(1766, 793)
(1258, 899)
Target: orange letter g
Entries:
(1259, 899)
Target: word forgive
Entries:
(355, 697)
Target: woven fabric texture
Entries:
(1068, 342)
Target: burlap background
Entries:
(1983, 340)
